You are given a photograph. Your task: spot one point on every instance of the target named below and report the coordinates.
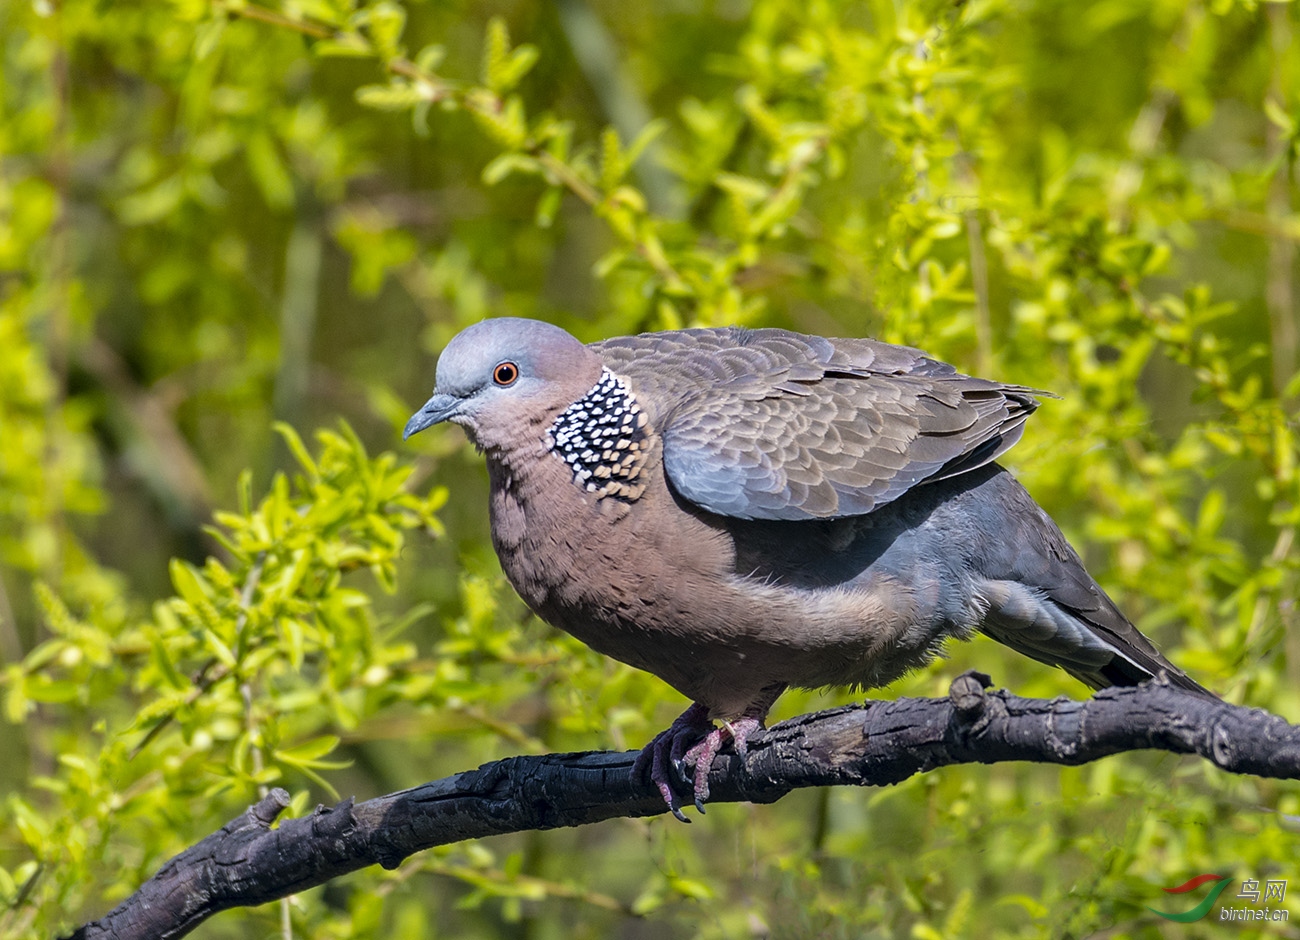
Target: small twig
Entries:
(11, 643)
(250, 12)
(201, 681)
(1259, 224)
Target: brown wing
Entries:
(769, 424)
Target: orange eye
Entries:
(505, 373)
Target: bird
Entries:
(741, 511)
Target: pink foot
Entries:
(703, 753)
(665, 752)
(692, 738)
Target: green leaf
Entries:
(430, 57)
(344, 45)
(398, 95)
(612, 163)
(189, 583)
(547, 207)
(220, 650)
(503, 68)
(1279, 116)
(309, 753)
(691, 888)
(42, 689)
(208, 36)
(508, 163)
(269, 172)
(386, 22)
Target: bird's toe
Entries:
(667, 756)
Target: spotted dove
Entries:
(741, 511)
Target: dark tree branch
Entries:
(247, 862)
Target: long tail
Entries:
(1042, 603)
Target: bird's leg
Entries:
(665, 752)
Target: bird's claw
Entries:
(690, 740)
(664, 757)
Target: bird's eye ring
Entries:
(505, 373)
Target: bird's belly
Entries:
(679, 595)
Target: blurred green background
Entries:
(217, 216)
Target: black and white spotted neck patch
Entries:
(603, 437)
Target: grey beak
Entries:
(437, 409)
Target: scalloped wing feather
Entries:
(770, 424)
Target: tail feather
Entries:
(1136, 660)
(1044, 604)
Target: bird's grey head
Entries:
(498, 377)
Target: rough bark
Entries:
(248, 862)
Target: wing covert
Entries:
(769, 424)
